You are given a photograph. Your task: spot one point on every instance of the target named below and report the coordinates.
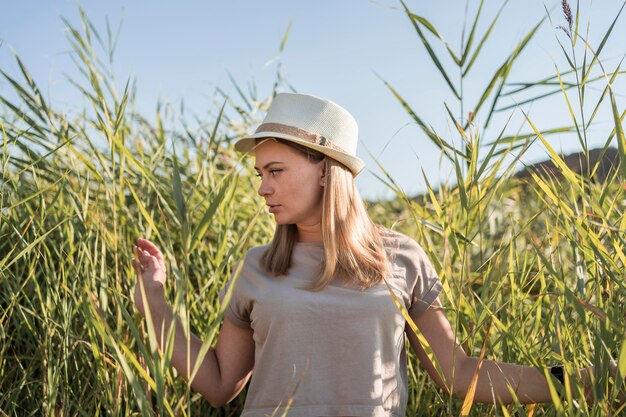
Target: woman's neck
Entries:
(309, 233)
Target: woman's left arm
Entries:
(496, 380)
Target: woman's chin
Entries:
(278, 219)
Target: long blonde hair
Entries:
(353, 246)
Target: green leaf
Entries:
(548, 81)
(596, 54)
(482, 41)
(430, 51)
(606, 90)
(10, 259)
(503, 73)
(461, 186)
(179, 200)
(527, 135)
(285, 36)
(445, 147)
(121, 109)
(42, 130)
(619, 134)
(558, 161)
(470, 38)
(240, 92)
(217, 122)
(435, 32)
(36, 105)
(143, 211)
(622, 360)
(229, 185)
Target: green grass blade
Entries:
(9, 260)
(470, 39)
(466, 50)
(572, 114)
(121, 110)
(605, 91)
(35, 104)
(558, 161)
(143, 211)
(217, 122)
(503, 73)
(240, 92)
(228, 186)
(515, 105)
(605, 38)
(285, 36)
(430, 51)
(527, 135)
(621, 363)
(445, 147)
(179, 200)
(431, 28)
(619, 135)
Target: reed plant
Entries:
(77, 190)
(533, 270)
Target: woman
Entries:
(312, 312)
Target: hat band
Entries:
(300, 133)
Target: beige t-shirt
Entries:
(339, 351)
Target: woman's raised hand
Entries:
(150, 268)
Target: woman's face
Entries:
(291, 184)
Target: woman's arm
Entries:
(494, 378)
(226, 368)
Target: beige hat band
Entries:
(300, 133)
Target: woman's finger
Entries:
(148, 262)
(145, 244)
(142, 257)
(152, 267)
(136, 266)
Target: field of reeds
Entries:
(533, 269)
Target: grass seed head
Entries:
(567, 12)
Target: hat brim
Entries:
(353, 163)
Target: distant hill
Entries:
(609, 161)
(577, 162)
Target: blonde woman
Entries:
(311, 313)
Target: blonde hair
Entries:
(353, 245)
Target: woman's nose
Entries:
(264, 188)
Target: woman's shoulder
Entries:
(255, 253)
(406, 255)
(404, 250)
(399, 242)
(257, 250)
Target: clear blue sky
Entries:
(185, 50)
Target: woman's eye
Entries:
(272, 172)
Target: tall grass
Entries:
(532, 270)
(77, 190)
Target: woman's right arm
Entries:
(226, 368)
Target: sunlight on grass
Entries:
(533, 270)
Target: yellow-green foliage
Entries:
(535, 268)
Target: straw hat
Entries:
(313, 122)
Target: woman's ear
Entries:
(323, 176)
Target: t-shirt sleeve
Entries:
(239, 305)
(422, 280)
